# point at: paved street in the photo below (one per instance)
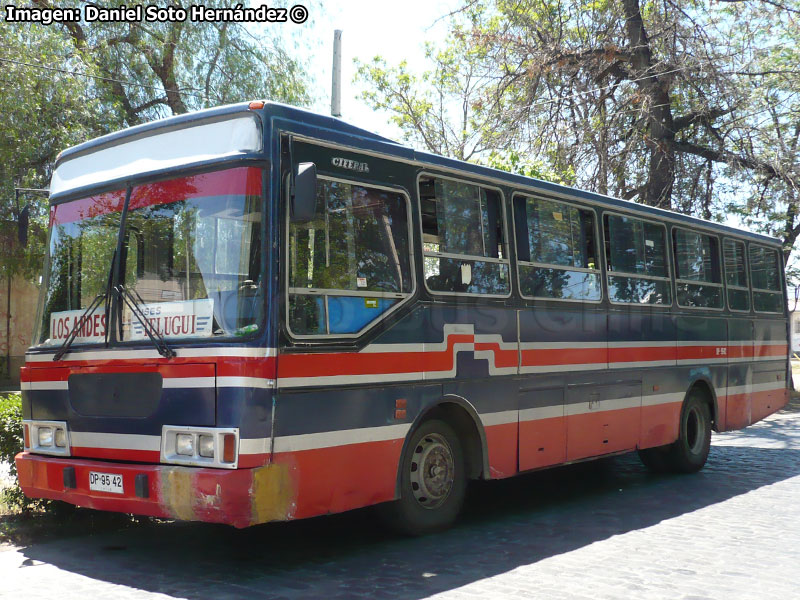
(600, 530)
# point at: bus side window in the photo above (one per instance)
(636, 255)
(765, 273)
(557, 250)
(463, 239)
(350, 264)
(736, 275)
(698, 278)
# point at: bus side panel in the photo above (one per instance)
(645, 339)
(740, 375)
(770, 349)
(478, 349)
(342, 445)
(567, 343)
(542, 424)
(496, 403)
(703, 350)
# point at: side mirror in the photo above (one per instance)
(304, 192)
(22, 225)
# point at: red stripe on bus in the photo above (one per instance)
(238, 181)
(502, 358)
(642, 354)
(771, 350)
(370, 363)
(700, 352)
(242, 180)
(169, 368)
(566, 356)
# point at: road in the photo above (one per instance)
(606, 529)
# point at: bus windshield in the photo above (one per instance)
(191, 254)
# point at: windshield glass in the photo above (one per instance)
(83, 237)
(191, 251)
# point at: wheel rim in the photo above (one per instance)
(695, 430)
(432, 471)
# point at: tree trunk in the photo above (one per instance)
(660, 130)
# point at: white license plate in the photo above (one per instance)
(105, 482)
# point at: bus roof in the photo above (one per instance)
(339, 131)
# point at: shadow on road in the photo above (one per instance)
(506, 524)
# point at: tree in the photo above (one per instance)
(66, 83)
(680, 105)
(44, 110)
(152, 69)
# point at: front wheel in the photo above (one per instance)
(689, 452)
(433, 481)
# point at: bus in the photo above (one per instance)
(255, 313)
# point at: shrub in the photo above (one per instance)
(10, 445)
(10, 429)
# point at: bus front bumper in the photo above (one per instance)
(238, 497)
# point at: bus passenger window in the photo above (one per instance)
(636, 255)
(698, 278)
(350, 264)
(463, 238)
(736, 275)
(557, 250)
(765, 274)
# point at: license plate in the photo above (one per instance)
(105, 482)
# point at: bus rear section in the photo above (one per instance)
(149, 385)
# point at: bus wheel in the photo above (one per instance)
(689, 452)
(655, 459)
(433, 481)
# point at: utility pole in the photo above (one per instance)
(336, 79)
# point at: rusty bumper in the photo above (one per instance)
(240, 497)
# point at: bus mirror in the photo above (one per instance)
(22, 225)
(304, 196)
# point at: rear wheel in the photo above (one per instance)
(655, 459)
(432, 481)
(689, 452)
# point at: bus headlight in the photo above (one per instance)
(61, 438)
(46, 437)
(200, 446)
(206, 447)
(184, 444)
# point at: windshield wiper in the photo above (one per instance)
(79, 325)
(133, 303)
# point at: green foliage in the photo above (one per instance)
(44, 111)
(64, 84)
(11, 445)
(513, 162)
(10, 429)
(684, 105)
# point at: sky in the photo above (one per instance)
(394, 30)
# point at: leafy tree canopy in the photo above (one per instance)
(66, 83)
(684, 105)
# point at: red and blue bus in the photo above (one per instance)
(255, 313)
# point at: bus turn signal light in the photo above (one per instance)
(26, 436)
(255, 105)
(229, 448)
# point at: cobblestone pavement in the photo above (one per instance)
(606, 529)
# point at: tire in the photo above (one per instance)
(655, 459)
(433, 481)
(689, 452)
